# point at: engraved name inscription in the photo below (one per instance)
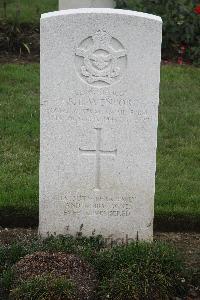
(98, 106)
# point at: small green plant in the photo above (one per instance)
(12, 37)
(14, 40)
(86, 247)
(6, 280)
(11, 254)
(140, 271)
(44, 288)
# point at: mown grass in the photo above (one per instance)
(26, 11)
(19, 137)
(178, 158)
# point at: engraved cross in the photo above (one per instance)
(98, 153)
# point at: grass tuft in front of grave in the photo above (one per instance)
(139, 270)
(44, 287)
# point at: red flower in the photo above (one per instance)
(197, 9)
(180, 60)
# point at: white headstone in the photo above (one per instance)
(100, 72)
(68, 4)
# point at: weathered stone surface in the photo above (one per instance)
(68, 4)
(100, 71)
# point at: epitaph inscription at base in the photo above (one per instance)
(99, 115)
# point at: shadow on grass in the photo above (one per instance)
(12, 217)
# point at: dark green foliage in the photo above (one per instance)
(10, 255)
(16, 38)
(181, 26)
(19, 24)
(195, 277)
(136, 271)
(140, 271)
(44, 288)
(85, 247)
(6, 280)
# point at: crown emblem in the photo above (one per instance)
(101, 38)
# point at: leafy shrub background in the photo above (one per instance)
(181, 26)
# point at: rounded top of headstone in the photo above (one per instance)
(70, 4)
(101, 11)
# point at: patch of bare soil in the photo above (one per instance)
(187, 243)
(10, 235)
(59, 264)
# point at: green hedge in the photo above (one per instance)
(181, 26)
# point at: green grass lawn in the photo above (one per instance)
(19, 137)
(178, 159)
(26, 11)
